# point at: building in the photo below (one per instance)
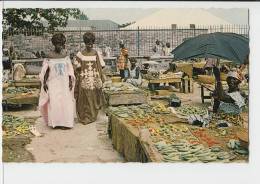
(90, 25)
(179, 18)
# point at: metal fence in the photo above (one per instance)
(139, 41)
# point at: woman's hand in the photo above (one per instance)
(70, 83)
(45, 87)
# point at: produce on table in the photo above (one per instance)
(234, 119)
(182, 151)
(203, 136)
(15, 90)
(235, 145)
(170, 75)
(189, 109)
(143, 111)
(160, 108)
(176, 143)
(120, 87)
(13, 126)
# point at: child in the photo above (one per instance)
(56, 102)
(88, 90)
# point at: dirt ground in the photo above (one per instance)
(83, 143)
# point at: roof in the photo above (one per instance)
(88, 25)
(92, 24)
(182, 17)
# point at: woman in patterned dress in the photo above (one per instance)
(56, 102)
(89, 81)
(231, 101)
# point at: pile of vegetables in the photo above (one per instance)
(189, 109)
(176, 143)
(141, 112)
(160, 108)
(15, 90)
(234, 119)
(203, 136)
(182, 151)
(13, 126)
(112, 88)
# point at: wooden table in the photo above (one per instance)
(208, 87)
(29, 83)
(21, 99)
(136, 145)
(125, 97)
(125, 140)
(133, 143)
(177, 80)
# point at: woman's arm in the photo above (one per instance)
(46, 76)
(219, 92)
(137, 73)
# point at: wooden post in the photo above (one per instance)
(202, 93)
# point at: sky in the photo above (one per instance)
(121, 16)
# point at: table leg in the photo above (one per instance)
(202, 94)
(109, 128)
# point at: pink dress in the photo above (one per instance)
(57, 106)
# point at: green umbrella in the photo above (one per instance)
(229, 46)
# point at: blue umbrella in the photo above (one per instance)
(228, 46)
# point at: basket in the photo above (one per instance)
(5, 85)
(206, 79)
(243, 138)
(116, 79)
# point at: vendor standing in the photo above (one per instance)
(158, 49)
(89, 81)
(134, 76)
(122, 60)
(230, 101)
(7, 65)
(210, 63)
(167, 49)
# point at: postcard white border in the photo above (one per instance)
(129, 173)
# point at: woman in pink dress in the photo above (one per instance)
(56, 102)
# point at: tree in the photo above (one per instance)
(83, 16)
(28, 18)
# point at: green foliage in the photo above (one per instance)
(28, 18)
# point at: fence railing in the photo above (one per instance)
(139, 42)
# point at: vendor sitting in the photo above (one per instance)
(172, 68)
(231, 101)
(134, 74)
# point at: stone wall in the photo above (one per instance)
(139, 42)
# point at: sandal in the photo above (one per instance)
(34, 131)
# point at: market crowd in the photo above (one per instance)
(72, 86)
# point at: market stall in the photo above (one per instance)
(122, 93)
(151, 133)
(20, 96)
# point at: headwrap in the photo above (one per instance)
(124, 51)
(235, 74)
(121, 42)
